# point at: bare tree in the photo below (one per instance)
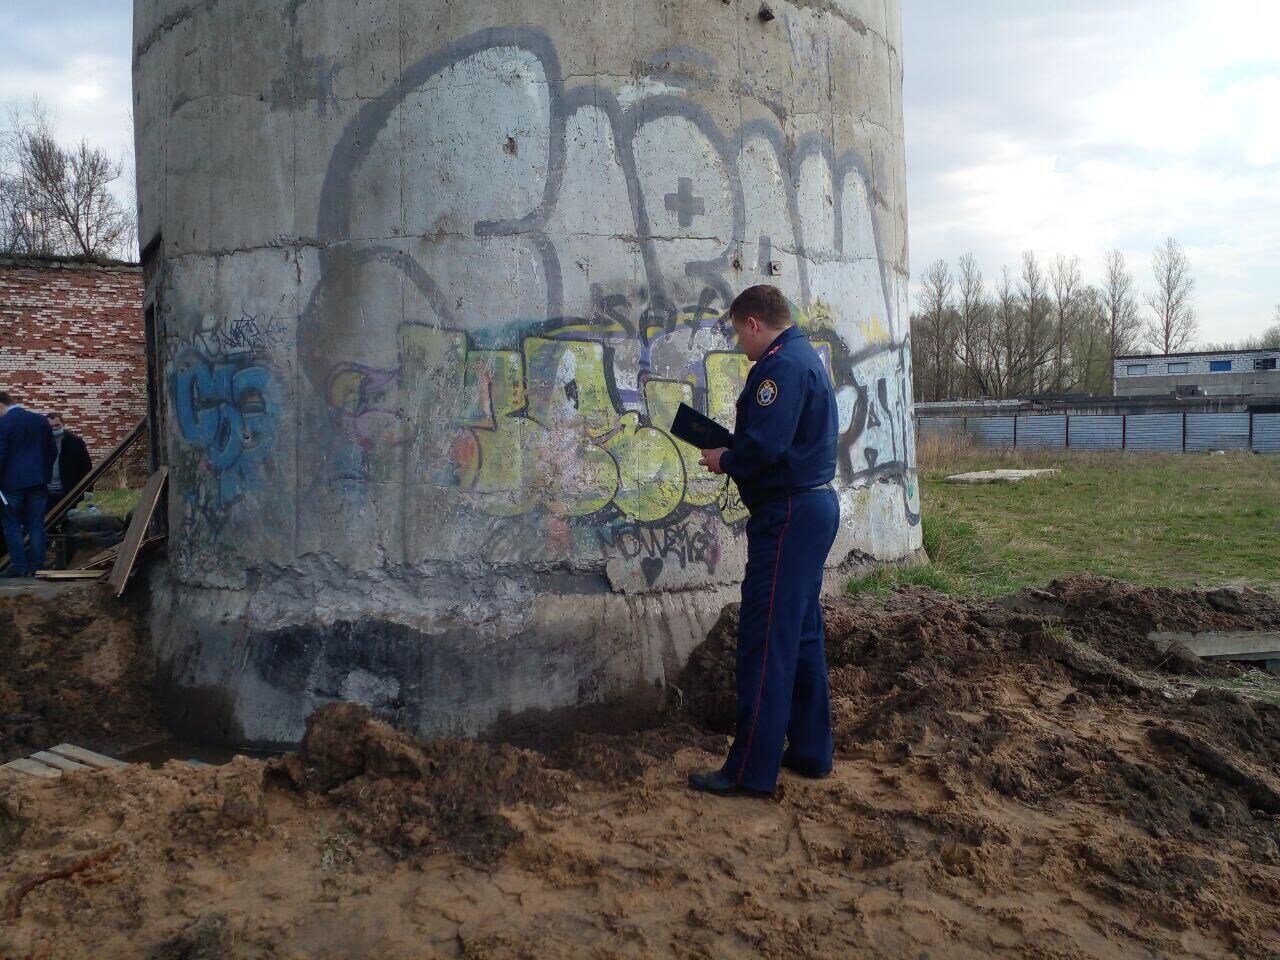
(1067, 287)
(1174, 326)
(1038, 343)
(1007, 337)
(27, 225)
(57, 200)
(1093, 360)
(935, 330)
(973, 331)
(1120, 307)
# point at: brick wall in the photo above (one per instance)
(72, 340)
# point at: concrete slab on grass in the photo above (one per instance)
(1224, 644)
(1000, 476)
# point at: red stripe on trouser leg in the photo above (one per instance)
(764, 656)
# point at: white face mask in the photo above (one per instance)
(58, 431)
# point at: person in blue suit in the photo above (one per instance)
(27, 452)
(783, 459)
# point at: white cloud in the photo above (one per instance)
(1079, 128)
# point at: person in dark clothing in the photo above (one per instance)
(27, 452)
(783, 459)
(72, 464)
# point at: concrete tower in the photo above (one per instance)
(427, 280)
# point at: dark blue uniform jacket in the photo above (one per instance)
(784, 439)
(27, 450)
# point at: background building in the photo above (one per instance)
(72, 341)
(1223, 373)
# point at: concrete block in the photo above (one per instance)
(350, 49)
(1224, 644)
(1000, 476)
(250, 169)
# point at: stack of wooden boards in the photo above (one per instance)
(64, 758)
(123, 556)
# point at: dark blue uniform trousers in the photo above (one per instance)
(24, 517)
(782, 662)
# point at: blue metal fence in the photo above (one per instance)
(1160, 432)
(992, 431)
(1043, 431)
(1095, 433)
(1265, 435)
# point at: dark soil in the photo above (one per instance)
(75, 667)
(416, 795)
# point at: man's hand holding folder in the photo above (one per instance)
(704, 433)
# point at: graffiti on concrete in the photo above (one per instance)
(686, 543)
(542, 427)
(223, 410)
(523, 339)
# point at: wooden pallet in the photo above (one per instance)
(64, 758)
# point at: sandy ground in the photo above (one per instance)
(1023, 779)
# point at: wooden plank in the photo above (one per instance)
(137, 530)
(87, 757)
(71, 574)
(101, 559)
(32, 768)
(62, 506)
(61, 763)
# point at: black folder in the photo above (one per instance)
(702, 432)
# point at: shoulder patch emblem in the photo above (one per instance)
(766, 393)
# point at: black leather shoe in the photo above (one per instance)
(12, 574)
(713, 781)
(802, 769)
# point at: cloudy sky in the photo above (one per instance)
(1061, 126)
(1078, 126)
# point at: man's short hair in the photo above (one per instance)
(765, 302)
(53, 413)
(5, 399)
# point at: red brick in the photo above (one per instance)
(72, 340)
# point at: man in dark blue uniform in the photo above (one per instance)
(27, 452)
(783, 460)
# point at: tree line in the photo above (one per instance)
(56, 200)
(1044, 330)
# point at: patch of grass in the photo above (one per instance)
(1252, 683)
(115, 502)
(959, 563)
(1186, 520)
(883, 579)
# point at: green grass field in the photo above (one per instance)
(1175, 519)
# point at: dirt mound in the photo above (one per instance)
(76, 668)
(414, 795)
(1013, 780)
(1052, 699)
(1115, 617)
